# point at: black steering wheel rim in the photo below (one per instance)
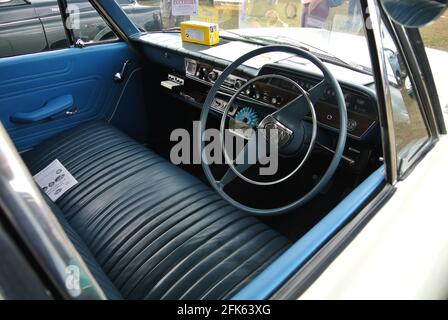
(328, 79)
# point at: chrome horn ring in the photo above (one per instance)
(229, 161)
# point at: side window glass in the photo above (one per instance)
(89, 26)
(410, 127)
(145, 14)
(29, 27)
(86, 23)
(435, 39)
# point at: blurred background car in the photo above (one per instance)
(41, 18)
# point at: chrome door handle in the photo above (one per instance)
(119, 76)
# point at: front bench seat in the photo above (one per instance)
(146, 228)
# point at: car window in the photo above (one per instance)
(145, 14)
(331, 15)
(89, 26)
(5, 3)
(435, 39)
(410, 127)
(86, 23)
(29, 27)
(321, 27)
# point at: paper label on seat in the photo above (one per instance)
(55, 180)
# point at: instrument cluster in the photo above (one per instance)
(275, 92)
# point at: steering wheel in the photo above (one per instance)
(288, 120)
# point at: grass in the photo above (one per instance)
(435, 35)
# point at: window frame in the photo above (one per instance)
(117, 20)
(391, 28)
(28, 16)
(404, 46)
(70, 35)
(377, 17)
(70, 39)
(65, 16)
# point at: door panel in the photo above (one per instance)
(29, 82)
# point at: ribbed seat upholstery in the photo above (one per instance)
(147, 229)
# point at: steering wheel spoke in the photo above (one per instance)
(252, 153)
(245, 159)
(317, 92)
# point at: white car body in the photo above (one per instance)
(402, 253)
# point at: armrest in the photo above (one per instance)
(51, 108)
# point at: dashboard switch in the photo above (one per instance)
(238, 84)
(212, 76)
(352, 124)
(171, 85)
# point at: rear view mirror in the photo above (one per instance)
(414, 13)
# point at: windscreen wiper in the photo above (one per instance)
(172, 29)
(236, 36)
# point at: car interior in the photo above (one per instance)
(149, 229)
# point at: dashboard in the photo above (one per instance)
(191, 69)
(273, 93)
(186, 71)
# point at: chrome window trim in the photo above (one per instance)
(372, 14)
(403, 44)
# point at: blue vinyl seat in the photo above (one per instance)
(147, 229)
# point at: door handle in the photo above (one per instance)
(50, 109)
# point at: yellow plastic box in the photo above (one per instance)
(200, 32)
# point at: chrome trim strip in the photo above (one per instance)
(374, 37)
